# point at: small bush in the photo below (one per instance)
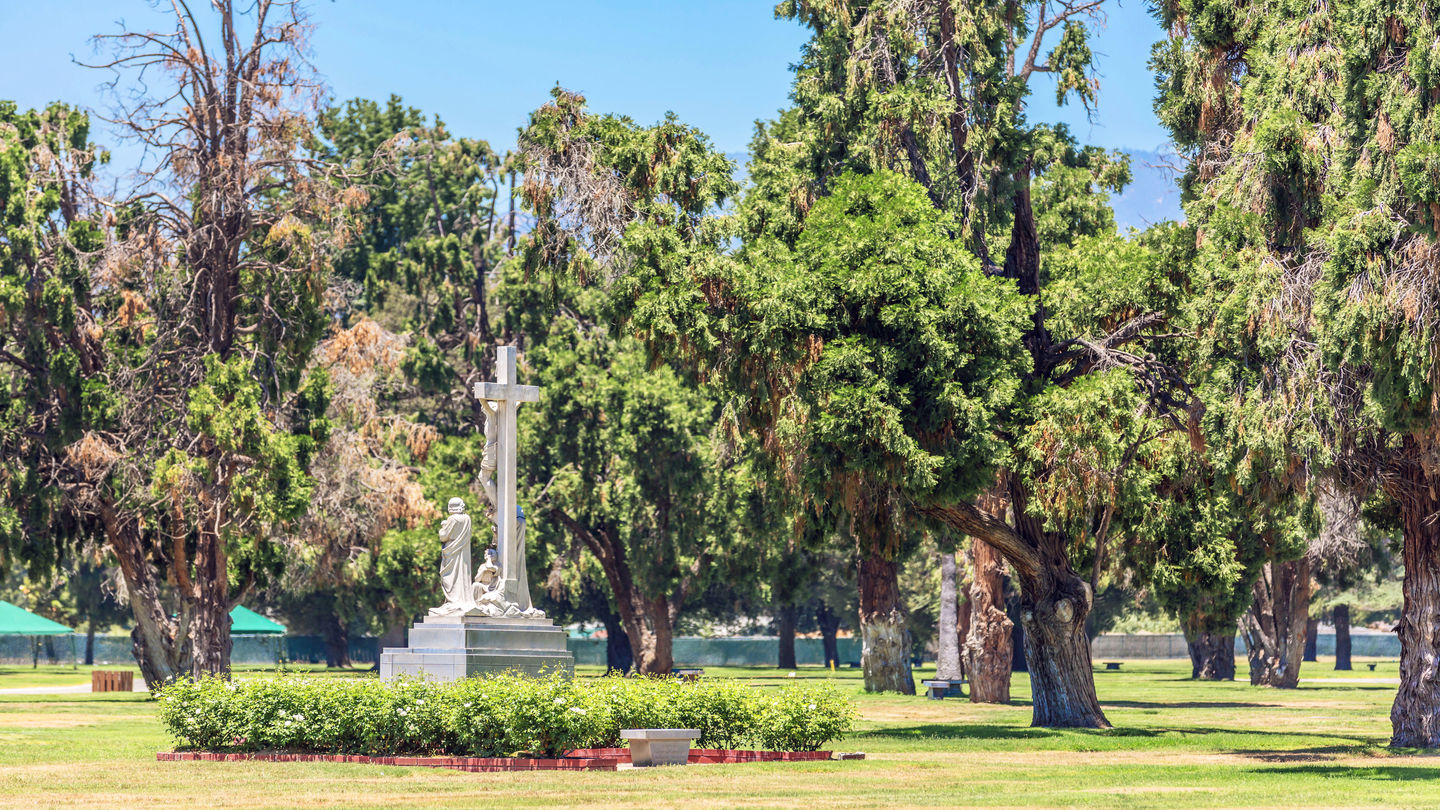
(803, 718)
(503, 715)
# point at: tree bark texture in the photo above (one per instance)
(947, 658)
(884, 636)
(210, 624)
(1312, 629)
(161, 650)
(786, 616)
(1274, 627)
(988, 649)
(1342, 637)
(1415, 716)
(1212, 656)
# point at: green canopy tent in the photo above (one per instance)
(17, 621)
(246, 622)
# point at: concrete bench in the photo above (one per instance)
(659, 746)
(939, 690)
(687, 674)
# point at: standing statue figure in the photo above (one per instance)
(455, 562)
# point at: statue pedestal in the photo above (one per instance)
(448, 648)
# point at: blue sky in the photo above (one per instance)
(484, 64)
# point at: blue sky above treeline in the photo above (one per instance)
(483, 65)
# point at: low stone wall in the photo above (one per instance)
(750, 651)
(1363, 642)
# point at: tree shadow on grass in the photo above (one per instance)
(1188, 704)
(979, 731)
(1386, 773)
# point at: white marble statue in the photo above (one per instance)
(455, 580)
(497, 478)
(488, 592)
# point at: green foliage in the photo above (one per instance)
(501, 715)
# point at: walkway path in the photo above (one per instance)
(68, 689)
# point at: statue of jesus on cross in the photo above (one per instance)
(502, 401)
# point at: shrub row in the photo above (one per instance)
(505, 715)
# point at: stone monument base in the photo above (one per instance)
(448, 648)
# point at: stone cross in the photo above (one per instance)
(506, 395)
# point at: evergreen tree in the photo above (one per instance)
(1312, 183)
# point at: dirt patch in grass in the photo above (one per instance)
(15, 720)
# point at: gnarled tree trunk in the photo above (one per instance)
(988, 648)
(1274, 627)
(210, 624)
(1342, 637)
(1415, 716)
(1212, 656)
(161, 650)
(1057, 651)
(947, 657)
(884, 636)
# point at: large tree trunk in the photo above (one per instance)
(1342, 637)
(337, 641)
(648, 621)
(947, 657)
(829, 623)
(988, 648)
(210, 624)
(618, 655)
(1274, 627)
(161, 651)
(1054, 602)
(647, 625)
(884, 636)
(1057, 653)
(1212, 656)
(786, 616)
(1415, 717)
(1312, 629)
(90, 644)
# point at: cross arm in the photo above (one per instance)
(504, 392)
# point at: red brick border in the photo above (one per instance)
(588, 759)
(706, 756)
(472, 764)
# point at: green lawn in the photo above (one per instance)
(1176, 744)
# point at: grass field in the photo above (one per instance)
(1176, 743)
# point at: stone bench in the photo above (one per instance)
(659, 746)
(939, 690)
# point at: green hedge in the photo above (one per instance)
(504, 715)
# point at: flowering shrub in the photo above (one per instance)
(803, 718)
(502, 715)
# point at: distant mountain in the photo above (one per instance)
(1152, 196)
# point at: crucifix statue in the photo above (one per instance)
(497, 474)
